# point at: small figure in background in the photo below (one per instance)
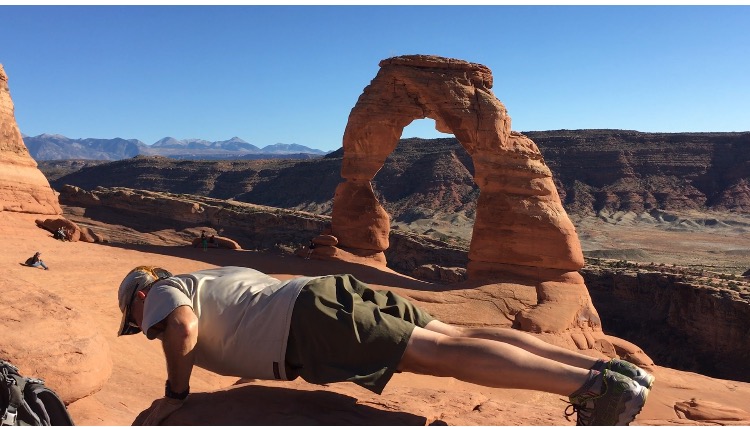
(36, 261)
(310, 249)
(60, 234)
(204, 241)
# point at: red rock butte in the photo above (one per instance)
(23, 187)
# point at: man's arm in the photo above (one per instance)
(179, 334)
(178, 340)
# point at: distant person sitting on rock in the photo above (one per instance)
(212, 242)
(60, 234)
(240, 322)
(36, 261)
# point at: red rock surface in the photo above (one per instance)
(45, 336)
(23, 188)
(358, 219)
(325, 240)
(85, 276)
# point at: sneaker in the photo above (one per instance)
(628, 369)
(607, 399)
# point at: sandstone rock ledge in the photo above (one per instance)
(47, 338)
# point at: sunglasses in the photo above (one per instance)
(160, 274)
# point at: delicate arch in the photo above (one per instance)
(520, 219)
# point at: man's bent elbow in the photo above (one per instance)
(183, 324)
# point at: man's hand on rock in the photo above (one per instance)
(161, 409)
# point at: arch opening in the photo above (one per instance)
(436, 167)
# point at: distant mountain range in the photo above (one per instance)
(58, 147)
(594, 171)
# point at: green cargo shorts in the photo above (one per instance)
(342, 330)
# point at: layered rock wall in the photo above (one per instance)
(681, 325)
(23, 188)
(620, 170)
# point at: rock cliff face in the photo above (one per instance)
(621, 170)
(23, 188)
(681, 325)
(251, 226)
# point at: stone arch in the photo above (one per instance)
(520, 221)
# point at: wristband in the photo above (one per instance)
(172, 395)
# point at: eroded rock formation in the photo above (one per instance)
(520, 219)
(23, 188)
(521, 228)
(72, 231)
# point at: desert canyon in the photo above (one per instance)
(524, 269)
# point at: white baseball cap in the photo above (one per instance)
(137, 279)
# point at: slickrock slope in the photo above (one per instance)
(23, 188)
(86, 276)
(45, 336)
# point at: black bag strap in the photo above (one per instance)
(14, 383)
(53, 407)
(29, 401)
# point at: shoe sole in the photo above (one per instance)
(645, 380)
(633, 407)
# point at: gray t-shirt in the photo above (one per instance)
(243, 318)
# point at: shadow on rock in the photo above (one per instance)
(275, 263)
(261, 405)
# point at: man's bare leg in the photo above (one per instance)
(516, 338)
(488, 362)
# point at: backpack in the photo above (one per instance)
(27, 401)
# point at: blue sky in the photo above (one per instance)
(291, 74)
